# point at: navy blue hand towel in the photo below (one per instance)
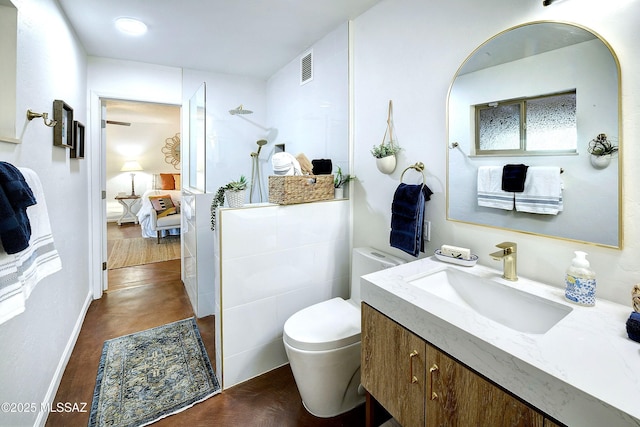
(633, 326)
(513, 177)
(15, 197)
(322, 166)
(407, 216)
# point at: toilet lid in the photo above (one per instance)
(324, 326)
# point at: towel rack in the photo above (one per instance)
(419, 166)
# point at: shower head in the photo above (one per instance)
(240, 110)
(260, 143)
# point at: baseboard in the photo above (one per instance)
(62, 365)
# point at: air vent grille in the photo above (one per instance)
(306, 68)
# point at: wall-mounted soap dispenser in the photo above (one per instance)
(580, 281)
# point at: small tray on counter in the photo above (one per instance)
(458, 261)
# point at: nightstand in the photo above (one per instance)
(128, 202)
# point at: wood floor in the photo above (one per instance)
(146, 296)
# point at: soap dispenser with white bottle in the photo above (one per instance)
(580, 281)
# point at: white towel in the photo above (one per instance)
(542, 191)
(490, 192)
(21, 272)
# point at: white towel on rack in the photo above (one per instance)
(490, 193)
(21, 272)
(542, 191)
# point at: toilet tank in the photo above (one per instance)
(365, 261)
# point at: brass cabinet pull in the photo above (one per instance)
(432, 369)
(412, 378)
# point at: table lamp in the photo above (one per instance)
(131, 166)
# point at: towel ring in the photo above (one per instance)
(419, 167)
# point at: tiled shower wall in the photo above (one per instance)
(275, 260)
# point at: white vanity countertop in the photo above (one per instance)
(584, 371)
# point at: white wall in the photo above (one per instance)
(36, 344)
(314, 118)
(413, 62)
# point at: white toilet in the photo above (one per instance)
(323, 343)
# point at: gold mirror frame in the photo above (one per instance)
(455, 148)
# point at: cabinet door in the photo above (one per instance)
(459, 397)
(393, 367)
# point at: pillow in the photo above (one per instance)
(167, 182)
(163, 205)
(176, 179)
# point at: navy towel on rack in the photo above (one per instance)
(15, 197)
(513, 177)
(407, 217)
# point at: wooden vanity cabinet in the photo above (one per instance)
(393, 367)
(422, 386)
(463, 398)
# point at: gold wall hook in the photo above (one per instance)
(45, 118)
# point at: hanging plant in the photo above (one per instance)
(385, 153)
(601, 150)
(601, 146)
(384, 150)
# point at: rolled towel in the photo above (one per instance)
(322, 166)
(285, 164)
(305, 164)
(633, 326)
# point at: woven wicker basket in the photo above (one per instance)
(289, 190)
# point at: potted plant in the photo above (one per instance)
(234, 192)
(339, 181)
(385, 153)
(601, 150)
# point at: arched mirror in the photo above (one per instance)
(539, 95)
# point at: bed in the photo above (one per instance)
(147, 209)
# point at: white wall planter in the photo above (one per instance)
(600, 162)
(235, 199)
(387, 164)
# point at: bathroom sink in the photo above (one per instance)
(510, 307)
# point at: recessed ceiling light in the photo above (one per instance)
(131, 26)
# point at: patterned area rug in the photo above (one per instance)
(138, 251)
(152, 374)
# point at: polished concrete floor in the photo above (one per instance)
(146, 296)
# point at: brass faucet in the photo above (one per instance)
(509, 257)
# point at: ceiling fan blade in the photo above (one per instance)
(113, 122)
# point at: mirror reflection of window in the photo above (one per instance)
(537, 125)
(551, 123)
(499, 127)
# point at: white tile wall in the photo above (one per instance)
(276, 260)
(198, 273)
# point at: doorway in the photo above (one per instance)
(141, 141)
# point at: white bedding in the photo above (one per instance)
(144, 214)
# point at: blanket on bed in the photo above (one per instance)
(144, 214)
